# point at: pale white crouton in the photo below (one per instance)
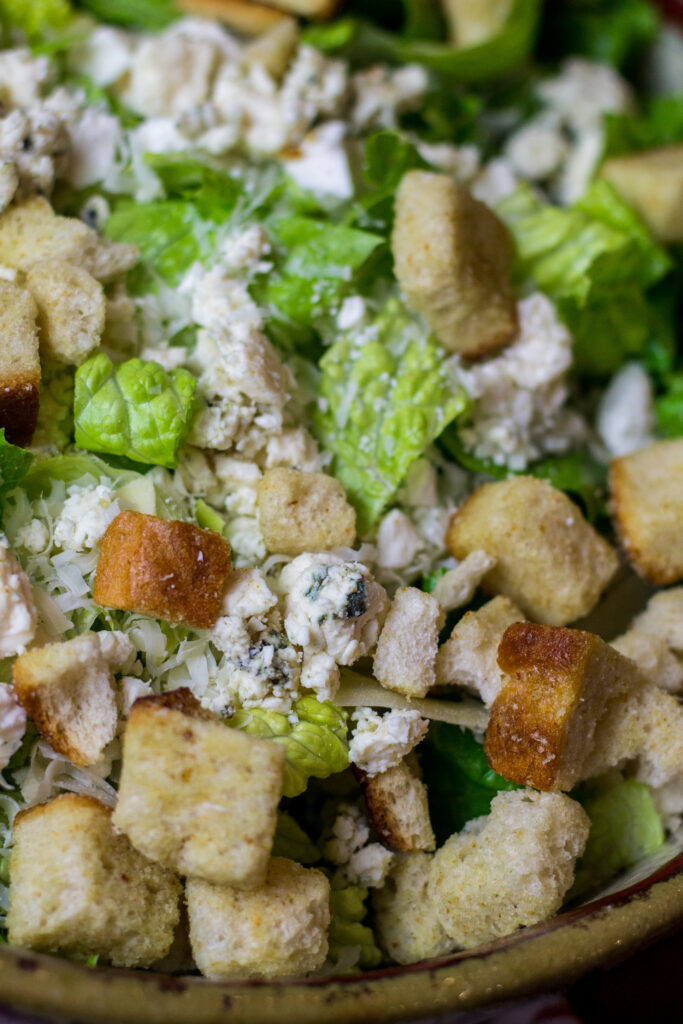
(456, 588)
(474, 21)
(452, 258)
(397, 806)
(381, 741)
(549, 559)
(79, 887)
(653, 657)
(18, 616)
(68, 690)
(196, 795)
(647, 507)
(407, 926)
(71, 309)
(509, 869)
(277, 931)
(12, 724)
(469, 658)
(663, 617)
(301, 512)
(19, 361)
(652, 183)
(408, 644)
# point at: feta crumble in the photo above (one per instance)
(18, 616)
(381, 741)
(625, 418)
(397, 541)
(247, 593)
(12, 724)
(358, 861)
(259, 668)
(35, 536)
(85, 516)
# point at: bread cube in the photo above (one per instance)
(469, 658)
(71, 309)
(68, 690)
(549, 559)
(653, 657)
(301, 512)
(452, 258)
(406, 922)
(652, 183)
(162, 567)
(79, 888)
(277, 931)
(19, 363)
(396, 802)
(474, 21)
(663, 618)
(559, 685)
(647, 507)
(408, 644)
(509, 869)
(197, 796)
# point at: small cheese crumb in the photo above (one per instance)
(380, 741)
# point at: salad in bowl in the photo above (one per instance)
(341, 400)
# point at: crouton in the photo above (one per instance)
(408, 644)
(474, 21)
(31, 232)
(71, 309)
(274, 49)
(549, 560)
(396, 802)
(559, 684)
(663, 618)
(653, 657)
(652, 183)
(406, 923)
(79, 888)
(197, 796)
(300, 512)
(277, 931)
(647, 508)
(19, 363)
(162, 567)
(247, 17)
(469, 658)
(452, 258)
(68, 690)
(457, 586)
(509, 869)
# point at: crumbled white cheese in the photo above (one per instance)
(577, 173)
(456, 588)
(320, 163)
(497, 180)
(244, 251)
(238, 480)
(247, 593)
(131, 689)
(332, 606)
(625, 418)
(35, 536)
(381, 94)
(36, 143)
(380, 741)
(320, 674)
(171, 357)
(246, 540)
(258, 668)
(18, 616)
(85, 516)
(350, 831)
(538, 149)
(22, 77)
(369, 866)
(117, 649)
(397, 541)
(351, 312)
(94, 140)
(170, 73)
(294, 448)
(12, 724)
(585, 90)
(105, 56)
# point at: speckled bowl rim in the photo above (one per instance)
(550, 955)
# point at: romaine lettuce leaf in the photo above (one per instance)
(347, 929)
(69, 469)
(669, 408)
(317, 745)
(136, 409)
(625, 826)
(14, 465)
(35, 18)
(386, 392)
(151, 15)
(608, 31)
(291, 841)
(388, 156)
(659, 124)
(170, 234)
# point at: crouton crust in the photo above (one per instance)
(182, 699)
(558, 685)
(19, 364)
(397, 808)
(301, 512)
(647, 509)
(162, 567)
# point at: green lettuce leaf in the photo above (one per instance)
(625, 827)
(291, 841)
(460, 782)
(208, 518)
(35, 19)
(388, 156)
(70, 468)
(14, 465)
(669, 408)
(171, 234)
(659, 124)
(347, 929)
(150, 15)
(317, 745)
(386, 393)
(55, 426)
(608, 31)
(136, 409)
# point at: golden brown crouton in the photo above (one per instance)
(79, 887)
(652, 183)
(647, 506)
(474, 21)
(277, 931)
(197, 796)
(406, 921)
(663, 618)
(162, 567)
(301, 512)
(452, 258)
(19, 363)
(509, 869)
(407, 646)
(71, 309)
(67, 689)
(559, 684)
(469, 658)
(549, 559)
(397, 807)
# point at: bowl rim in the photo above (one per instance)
(552, 954)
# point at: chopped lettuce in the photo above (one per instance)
(150, 15)
(386, 393)
(14, 465)
(69, 469)
(347, 929)
(317, 745)
(55, 426)
(291, 841)
(659, 124)
(35, 18)
(388, 156)
(669, 408)
(607, 31)
(170, 234)
(136, 409)
(208, 518)
(625, 826)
